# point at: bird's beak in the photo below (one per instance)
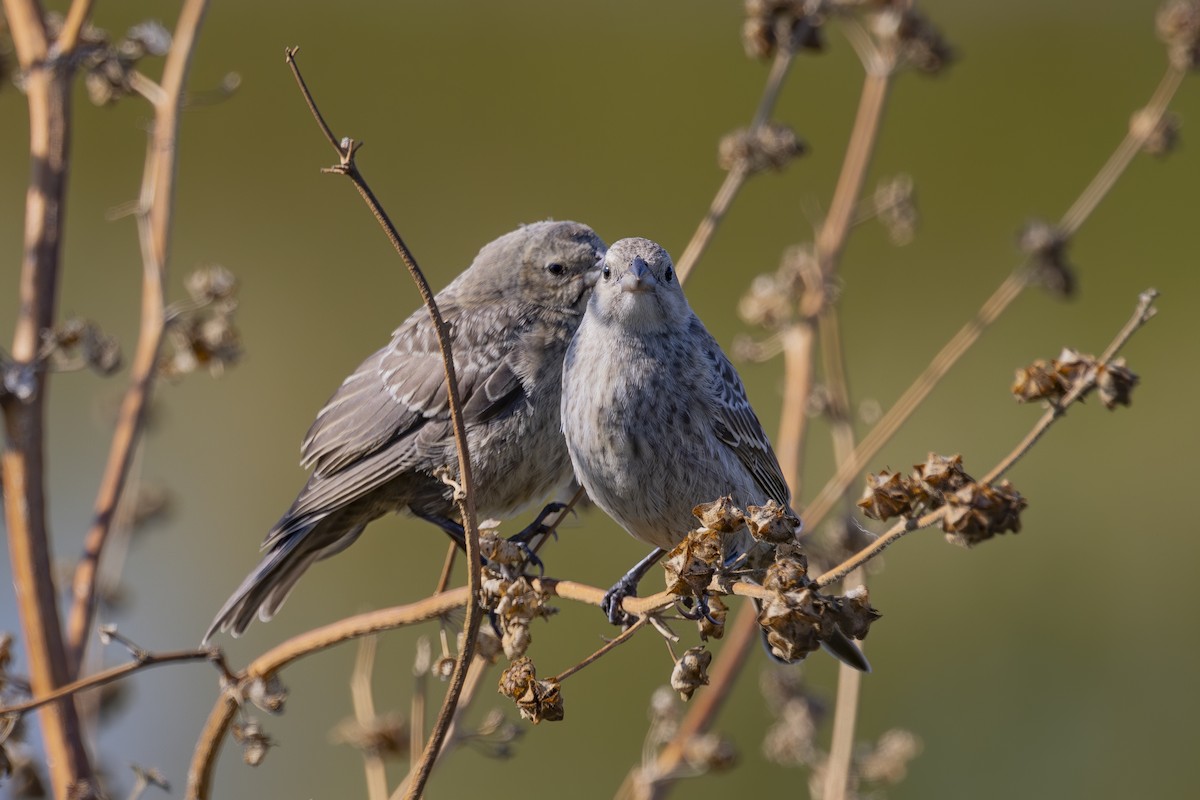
(591, 276)
(639, 278)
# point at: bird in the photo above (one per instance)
(656, 418)
(377, 443)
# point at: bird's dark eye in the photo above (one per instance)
(556, 268)
(668, 274)
(606, 273)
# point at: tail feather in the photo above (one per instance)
(265, 589)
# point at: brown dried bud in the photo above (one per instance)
(770, 146)
(270, 695)
(938, 476)
(1046, 246)
(853, 613)
(385, 735)
(788, 573)
(255, 743)
(766, 303)
(1158, 133)
(443, 668)
(720, 515)
(887, 762)
(691, 671)
(1115, 383)
(210, 284)
(709, 752)
(791, 632)
(1178, 24)
(691, 565)
(771, 24)
(978, 512)
(919, 43)
(1041, 380)
(536, 700)
(501, 551)
(887, 495)
(896, 208)
(772, 523)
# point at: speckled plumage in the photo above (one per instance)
(375, 445)
(656, 418)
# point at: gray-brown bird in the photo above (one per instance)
(655, 416)
(376, 444)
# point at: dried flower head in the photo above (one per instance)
(790, 24)
(914, 38)
(515, 603)
(691, 565)
(80, 342)
(1178, 24)
(709, 752)
(254, 741)
(691, 671)
(887, 495)
(1115, 383)
(769, 146)
(1158, 133)
(772, 523)
(536, 700)
(386, 735)
(1046, 247)
(896, 208)
(978, 512)
(887, 762)
(270, 694)
(720, 515)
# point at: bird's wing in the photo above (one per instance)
(734, 420)
(392, 413)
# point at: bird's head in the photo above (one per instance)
(638, 287)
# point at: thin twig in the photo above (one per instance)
(68, 36)
(625, 636)
(348, 167)
(1082, 387)
(1129, 147)
(1008, 291)
(739, 172)
(110, 675)
(849, 679)
(156, 203)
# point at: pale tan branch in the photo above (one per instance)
(156, 203)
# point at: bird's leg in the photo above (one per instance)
(452, 528)
(538, 527)
(459, 536)
(627, 587)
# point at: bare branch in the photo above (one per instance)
(154, 229)
(348, 167)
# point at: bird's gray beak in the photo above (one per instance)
(591, 276)
(639, 278)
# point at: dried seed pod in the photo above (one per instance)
(691, 671)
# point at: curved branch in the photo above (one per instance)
(347, 166)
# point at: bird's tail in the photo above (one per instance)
(266, 588)
(838, 645)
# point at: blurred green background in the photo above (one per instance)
(1039, 665)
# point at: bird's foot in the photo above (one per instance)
(538, 527)
(611, 604)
